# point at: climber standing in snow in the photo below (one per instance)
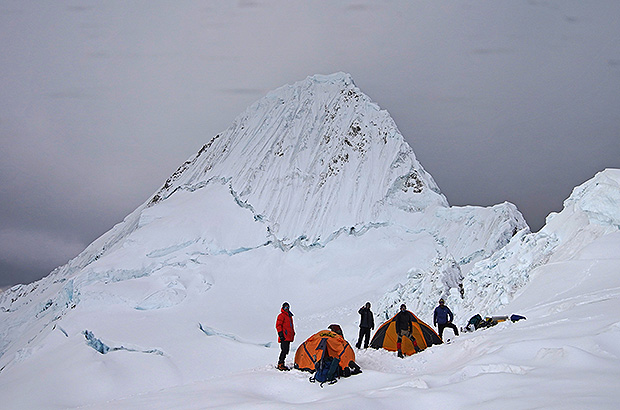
(286, 333)
(404, 328)
(442, 318)
(367, 322)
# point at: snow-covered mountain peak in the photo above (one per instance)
(315, 169)
(310, 159)
(339, 80)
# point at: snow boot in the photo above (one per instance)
(282, 367)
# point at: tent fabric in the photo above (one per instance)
(311, 351)
(385, 337)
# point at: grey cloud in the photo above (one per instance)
(245, 91)
(24, 254)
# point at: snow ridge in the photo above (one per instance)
(591, 212)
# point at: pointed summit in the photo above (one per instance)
(310, 159)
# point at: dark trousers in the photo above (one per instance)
(442, 326)
(364, 334)
(285, 347)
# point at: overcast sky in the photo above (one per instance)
(101, 101)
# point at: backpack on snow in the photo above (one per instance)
(326, 371)
(475, 321)
(326, 368)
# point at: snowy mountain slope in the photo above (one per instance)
(563, 356)
(488, 285)
(325, 161)
(463, 236)
(310, 159)
(173, 256)
(590, 212)
(189, 284)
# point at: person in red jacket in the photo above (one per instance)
(286, 333)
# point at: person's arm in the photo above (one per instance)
(279, 327)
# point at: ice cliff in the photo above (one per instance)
(592, 211)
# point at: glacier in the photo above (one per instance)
(311, 193)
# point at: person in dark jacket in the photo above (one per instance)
(367, 323)
(403, 329)
(442, 318)
(286, 333)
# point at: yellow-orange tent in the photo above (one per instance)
(323, 342)
(385, 337)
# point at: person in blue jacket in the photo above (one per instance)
(442, 318)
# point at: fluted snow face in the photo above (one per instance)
(311, 159)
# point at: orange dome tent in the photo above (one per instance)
(385, 337)
(324, 342)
